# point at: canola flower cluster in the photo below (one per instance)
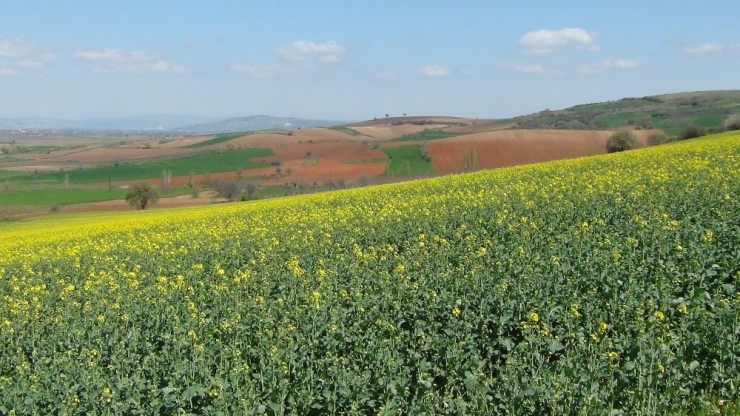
(601, 285)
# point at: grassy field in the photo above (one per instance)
(425, 135)
(407, 161)
(221, 138)
(213, 162)
(59, 196)
(69, 196)
(604, 285)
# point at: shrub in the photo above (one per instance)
(141, 195)
(732, 122)
(620, 141)
(657, 138)
(691, 131)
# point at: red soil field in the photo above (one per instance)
(516, 147)
(478, 128)
(352, 151)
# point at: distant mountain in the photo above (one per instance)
(260, 122)
(144, 122)
(180, 123)
(152, 121)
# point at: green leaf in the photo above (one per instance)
(556, 346)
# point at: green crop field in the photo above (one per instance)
(605, 285)
(59, 196)
(425, 134)
(68, 196)
(221, 138)
(407, 161)
(212, 162)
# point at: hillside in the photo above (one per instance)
(36, 169)
(669, 112)
(602, 286)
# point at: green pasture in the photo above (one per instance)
(211, 162)
(59, 196)
(221, 138)
(425, 135)
(408, 161)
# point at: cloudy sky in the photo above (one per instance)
(354, 60)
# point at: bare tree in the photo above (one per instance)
(166, 177)
(470, 159)
(191, 180)
(228, 188)
(251, 187)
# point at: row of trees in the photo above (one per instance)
(143, 194)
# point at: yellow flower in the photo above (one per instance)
(533, 317)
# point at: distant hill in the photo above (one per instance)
(144, 122)
(669, 112)
(251, 123)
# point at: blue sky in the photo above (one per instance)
(345, 60)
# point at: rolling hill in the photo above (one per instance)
(671, 113)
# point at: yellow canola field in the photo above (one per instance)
(585, 284)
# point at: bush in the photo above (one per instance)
(657, 138)
(691, 131)
(141, 195)
(620, 141)
(732, 122)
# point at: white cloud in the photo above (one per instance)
(550, 41)
(709, 48)
(303, 50)
(22, 54)
(259, 71)
(605, 66)
(130, 62)
(436, 71)
(301, 55)
(16, 48)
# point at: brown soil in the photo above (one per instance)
(478, 128)
(392, 132)
(516, 147)
(351, 151)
